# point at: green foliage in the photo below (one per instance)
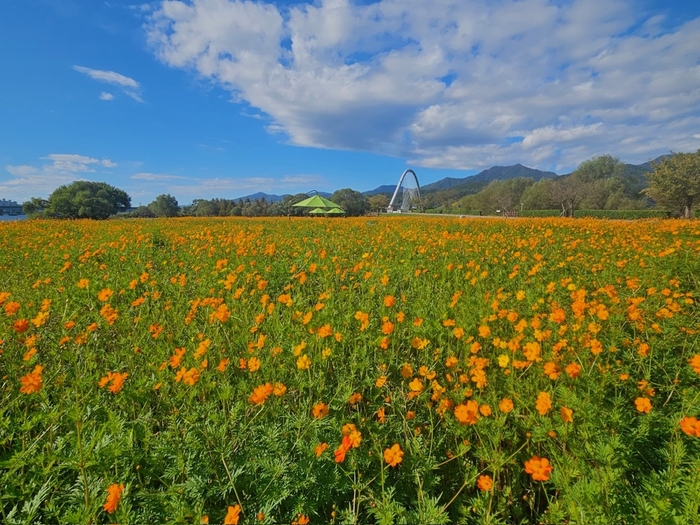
(353, 202)
(623, 214)
(675, 183)
(86, 200)
(540, 213)
(504, 195)
(445, 198)
(378, 202)
(34, 206)
(164, 206)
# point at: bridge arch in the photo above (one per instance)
(398, 187)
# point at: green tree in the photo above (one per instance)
(378, 202)
(539, 196)
(505, 195)
(34, 206)
(143, 212)
(675, 182)
(164, 206)
(353, 202)
(86, 200)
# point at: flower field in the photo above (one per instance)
(386, 370)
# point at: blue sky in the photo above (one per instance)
(222, 98)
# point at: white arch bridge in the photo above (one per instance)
(410, 197)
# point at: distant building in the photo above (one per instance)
(9, 207)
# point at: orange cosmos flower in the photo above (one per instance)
(381, 416)
(189, 377)
(558, 316)
(426, 372)
(32, 382)
(302, 519)
(416, 386)
(467, 413)
(175, 360)
(484, 483)
(381, 381)
(253, 364)
(223, 364)
(484, 331)
(40, 319)
(342, 449)
(691, 426)
(261, 393)
(539, 468)
(387, 328)
(355, 438)
(325, 331)
(389, 301)
(116, 379)
(279, 389)
(233, 515)
(202, 348)
(355, 398)
(20, 326)
(643, 404)
(348, 428)
(574, 370)
(105, 294)
(114, 494)
(419, 343)
(505, 406)
(543, 403)
(485, 410)
(320, 449)
(567, 415)
(394, 455)
(695, 363)
(11, 308)
(320, 410)
(363, 318)
(303, 362)
(532, 350)
(552, 370)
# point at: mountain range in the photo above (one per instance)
(469, 184)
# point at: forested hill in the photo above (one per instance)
(494, 173)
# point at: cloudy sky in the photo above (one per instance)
(222, 98)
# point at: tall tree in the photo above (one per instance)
(378, 202)
(675, 182)
(86, 200)
(164, 206)
(353, 202)
(34, 206)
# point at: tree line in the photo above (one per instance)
(600, 183)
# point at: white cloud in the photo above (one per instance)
(28, 181)
(449, 83)
(129, 86)
(190, 187)
(109, 77)
(156, 176)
